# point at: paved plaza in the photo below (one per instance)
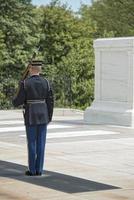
(83, 162)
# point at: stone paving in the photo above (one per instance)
(83, 162)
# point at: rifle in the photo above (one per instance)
(25, 73)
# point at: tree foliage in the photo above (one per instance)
(68, 56)
(18, 36)
(114, 17)
(66, 40)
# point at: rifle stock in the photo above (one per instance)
(25, 73)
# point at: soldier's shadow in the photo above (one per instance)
(53, 180)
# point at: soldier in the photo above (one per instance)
(36, 95)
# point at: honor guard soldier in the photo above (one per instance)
(36, 95)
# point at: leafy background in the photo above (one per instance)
(66, 40)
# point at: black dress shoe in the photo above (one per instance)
(28, 173)
(38, 173)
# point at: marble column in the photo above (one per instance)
(114, 83)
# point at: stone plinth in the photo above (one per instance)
(114, 83)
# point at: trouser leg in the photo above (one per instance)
(40, 148)
(31, 144)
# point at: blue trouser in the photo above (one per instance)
(36, 140)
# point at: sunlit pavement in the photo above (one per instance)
(83, 162)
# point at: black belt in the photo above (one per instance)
(35, 101)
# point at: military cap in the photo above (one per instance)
(36, 63)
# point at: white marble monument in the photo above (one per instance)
(114, 83)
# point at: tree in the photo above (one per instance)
(18, 27)
(66, 40)
(68, 55)
(18, 37)
(113, 18)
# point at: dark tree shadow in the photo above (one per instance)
(53, 180)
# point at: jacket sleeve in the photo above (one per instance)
(20, 98)
(50, 102)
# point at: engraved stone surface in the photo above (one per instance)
(114, 87)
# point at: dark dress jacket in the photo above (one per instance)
(35, 89)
